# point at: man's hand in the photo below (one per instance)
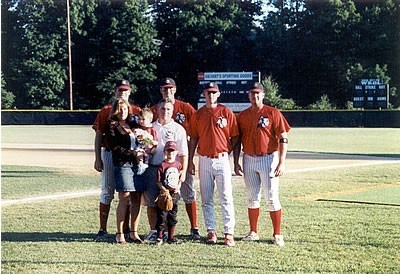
(238, 170)
(191, 168)
(280, 170)
(182, 176)
(98, 165)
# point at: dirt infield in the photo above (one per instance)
(75, 159)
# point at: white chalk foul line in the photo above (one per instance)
(97, 192)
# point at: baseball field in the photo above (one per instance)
(340, 196)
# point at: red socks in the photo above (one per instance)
(276, 217)
(192, 214)
(104, 210)
(253, 213)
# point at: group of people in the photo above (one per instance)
(138, 164)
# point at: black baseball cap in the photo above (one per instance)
(257, 87)
(122, 84)
(167, 83)
(211, 86)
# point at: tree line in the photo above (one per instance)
(310, 53)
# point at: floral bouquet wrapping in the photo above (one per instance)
(144, 139)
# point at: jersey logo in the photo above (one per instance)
(222, 122)
(180, 118)
(172, 177)
(263, 122)
(169, 136)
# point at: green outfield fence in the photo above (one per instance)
(337, 118)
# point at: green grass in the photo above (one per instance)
(369, 141)
(55, 236)
(387, 195)
(23, 181)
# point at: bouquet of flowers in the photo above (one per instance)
(144, 139)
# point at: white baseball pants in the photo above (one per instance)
(107, 178)
(217, 171)
(259, 173)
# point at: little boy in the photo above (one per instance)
(168, 180)
(146, 137)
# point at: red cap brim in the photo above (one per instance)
(211, 89)
(124, 87)
(168, 86)
(257, 90)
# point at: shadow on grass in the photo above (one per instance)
(337, 156)
(357, 202)
(48, 237)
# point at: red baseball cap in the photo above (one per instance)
(122, 85)
(167, 83)
(257, 87)
(170, 145)
(211, 86)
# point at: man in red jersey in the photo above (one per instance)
(263, 133)
(213, 130)
(182, 114)
(103, 158)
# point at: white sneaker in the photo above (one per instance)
(159, 241)
(151, 237)
(278, 240)
(252, 236)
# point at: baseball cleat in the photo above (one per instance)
(211, 238)
(252, 236)
(151, 237)
(159, 241)
(195, 234)
(101, 236)
(278, 240)
(229, 240)
(175, 241)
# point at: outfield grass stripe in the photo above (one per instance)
(50, 197)
(97, 191)
(374, 163)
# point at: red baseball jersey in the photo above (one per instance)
(213, 127)
(260, 129)
(102, 118)
(182, 113)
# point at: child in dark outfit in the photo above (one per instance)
(168, 179)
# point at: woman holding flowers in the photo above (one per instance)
(122, 142)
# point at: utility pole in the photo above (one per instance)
(71, 101)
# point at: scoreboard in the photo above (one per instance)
(232, 85)
(370, 94)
